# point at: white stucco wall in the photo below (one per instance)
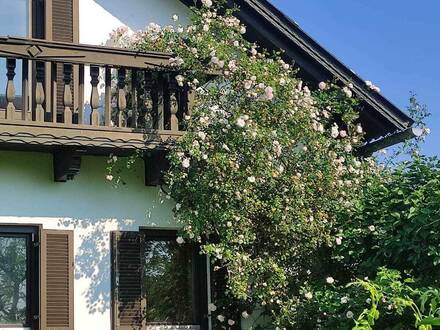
(97, 18)
(91, 207)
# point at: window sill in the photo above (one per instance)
(172, 327)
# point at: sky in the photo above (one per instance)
(393, 43)
(12, 22)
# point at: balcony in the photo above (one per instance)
(91, 99)
(79, 99)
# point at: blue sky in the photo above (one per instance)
(393, 43)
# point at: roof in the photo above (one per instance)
(274, 30)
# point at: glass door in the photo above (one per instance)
(14, 286)
(18, 277)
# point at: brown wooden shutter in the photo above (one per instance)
(62, 20)
(57, 280)
(128, 306)
(64, 30)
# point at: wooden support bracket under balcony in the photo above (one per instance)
(66, 163)
(156, 163)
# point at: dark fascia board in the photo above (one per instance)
(285, 34)
(390, 140)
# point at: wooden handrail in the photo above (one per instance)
(42, 50)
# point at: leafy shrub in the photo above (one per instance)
(398, 224)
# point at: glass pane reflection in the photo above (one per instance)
(14, 22)
(169, 283)
(14, 18)
(13, 273)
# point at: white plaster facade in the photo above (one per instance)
(97, 18)
(88, 205)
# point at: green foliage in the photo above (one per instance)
(398, 222)
(419, 113)
(398, 295)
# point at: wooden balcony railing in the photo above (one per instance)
(95, 98)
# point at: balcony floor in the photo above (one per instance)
(46, 136)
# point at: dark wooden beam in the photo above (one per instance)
(388, 141)
(56, 135)
(66, 164)
(156, 164)
(44, 50)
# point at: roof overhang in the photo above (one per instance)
(273, 30)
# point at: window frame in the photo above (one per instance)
(199, 279)
(32, 235)
(37, 15)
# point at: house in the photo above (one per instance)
(75, 253)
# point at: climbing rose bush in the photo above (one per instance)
(265, 169)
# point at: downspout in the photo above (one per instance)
(407, 134)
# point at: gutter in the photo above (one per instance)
(387, 141)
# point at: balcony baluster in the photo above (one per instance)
(147, 113)
(108, 98)
(160, 102)
(134, 99)
(10, 88)
(94, 98)
(174, 104)
(39, 92)
(68, 101)
(25, 91)
(122, 101)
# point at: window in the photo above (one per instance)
(168, 262)
(18, 266)
(14, 18)
(14, 250)
(158, 282)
